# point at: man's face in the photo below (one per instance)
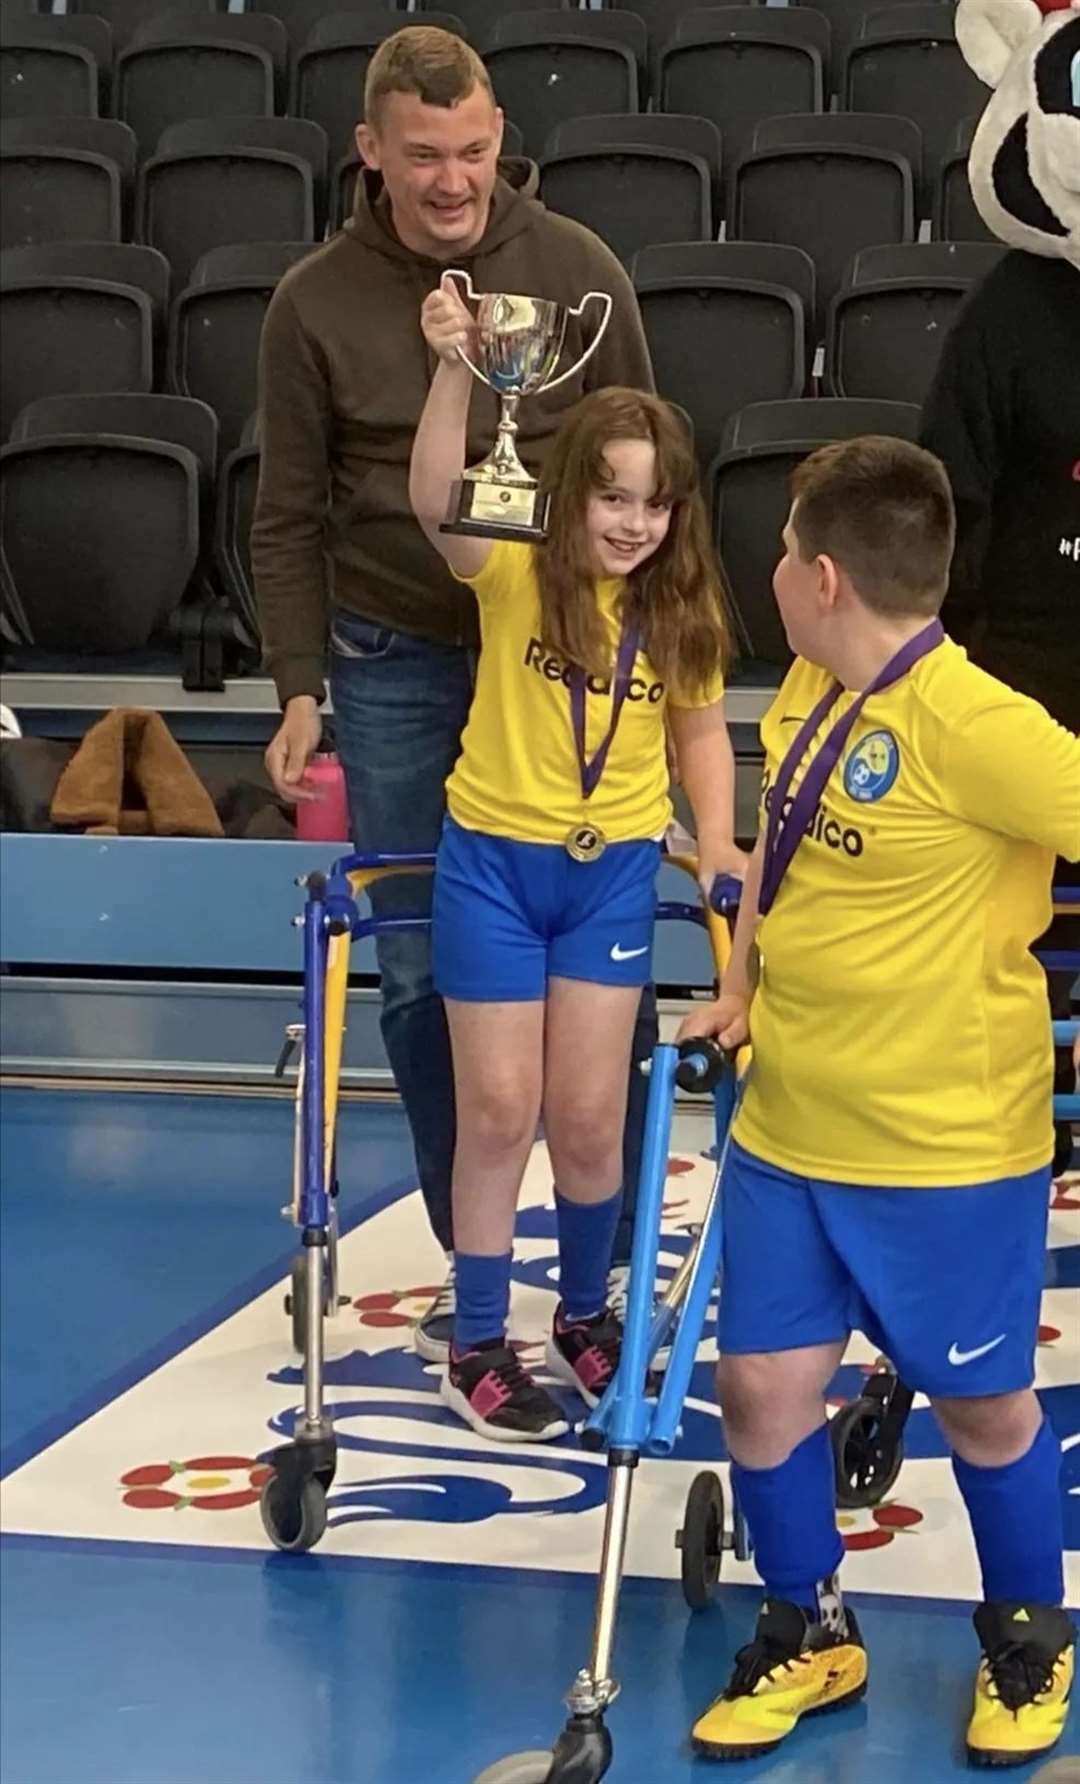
(797, 587)
(439, 166)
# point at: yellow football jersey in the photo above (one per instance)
(901, 1028)
(518, 772)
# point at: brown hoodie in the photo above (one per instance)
(344, 373)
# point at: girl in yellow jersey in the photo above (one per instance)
(544, 885)
(893, 1146)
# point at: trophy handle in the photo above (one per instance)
(455, 272)
(579, 310)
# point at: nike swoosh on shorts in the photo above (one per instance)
(958, 1357)
(618, 953)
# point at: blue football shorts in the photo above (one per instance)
(507, 916)
(946, 1282)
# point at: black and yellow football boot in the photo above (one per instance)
(1023, 1683)
(792, 1668)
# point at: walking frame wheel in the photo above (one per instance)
(293, 1513)
(581, 1755)
(701, 1540)
(866, 1467)
(518, 1768)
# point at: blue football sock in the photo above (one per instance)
(586, 1235)
(1017, 1522)
(483, 1299)
(791, 1513)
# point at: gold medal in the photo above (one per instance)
(585, 843)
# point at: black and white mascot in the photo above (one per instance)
(1004, 409)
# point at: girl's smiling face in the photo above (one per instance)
(625, 520)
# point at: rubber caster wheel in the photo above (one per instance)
(701, 1540)
(294, 1521)
(864, 1472)
(518, 1768)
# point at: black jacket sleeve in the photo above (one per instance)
(966, 423)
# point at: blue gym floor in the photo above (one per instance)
(134, 1223)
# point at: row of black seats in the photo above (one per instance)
(117, 533)
(113, 539)
(829, 183)
(730, 64)
(478, 20)
(728, 324)
(83, 317)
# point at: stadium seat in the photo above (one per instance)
(300, 17)
(54, 67)
(549, 66)
(215, 327)
(829, 184)
(481, 17)
(845, 24)
(739, 64)
(78, 317)
(955, 216)
(238, 486)
(762, 445)
(662, 18)
(330, 70)
(100, 527)
(727, 325)
(64, 179)
(694, 135)
(215, 182)
(184, 66)
(907, 63)
(631, 194)
(889, 320)
(124, 17)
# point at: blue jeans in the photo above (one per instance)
(400, 705)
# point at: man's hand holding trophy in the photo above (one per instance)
(513, 344)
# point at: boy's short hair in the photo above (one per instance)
(437, 66)
(882, 509)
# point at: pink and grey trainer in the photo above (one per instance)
(493, 1393)
(585, 1353)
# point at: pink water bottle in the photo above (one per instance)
(325, 818)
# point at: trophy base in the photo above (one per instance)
(497, 511)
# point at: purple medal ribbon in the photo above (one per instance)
(624, 669)
(784, 834)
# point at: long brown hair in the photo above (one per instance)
(677, 595)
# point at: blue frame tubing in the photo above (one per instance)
(293, 1500)
(626, 1418)
(1066, 1107)
(627, 1422)
(314, 1201)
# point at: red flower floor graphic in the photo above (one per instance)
(209, 1483)
(887, 1521)
(394, 1307)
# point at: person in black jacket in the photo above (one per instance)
(1003, 413)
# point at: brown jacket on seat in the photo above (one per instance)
(129, 777)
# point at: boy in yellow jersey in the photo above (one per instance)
(889, 1168)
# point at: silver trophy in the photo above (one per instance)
(519, 342)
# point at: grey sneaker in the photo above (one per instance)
(434, 1330)
(618, 1284)
(618, 1287)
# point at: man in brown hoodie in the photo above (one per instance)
(339, 559)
